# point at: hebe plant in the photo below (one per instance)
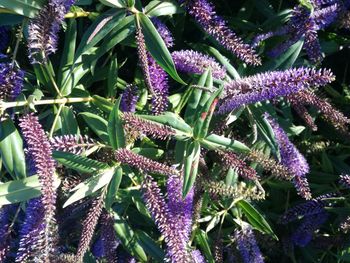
(174, 131)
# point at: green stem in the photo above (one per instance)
(77, 14)
(7, 105)
(55, 120)
(19, 38)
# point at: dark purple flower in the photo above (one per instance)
(107, 243)
(176, 245)
(155, 130)
(191, 61)
(4, 37)
(247, 245)
(204, 13)
(291, 158)
(164, 32)
(73, 143)
(89, 225)
(345, 225)
(126, 156)
(43, 29)
(231, 160)
(129, 99)
(331, 115)
(345, 180)
(304, 23)
(180, 209)
(6, 216)
(33, 244)
(39, 150)
(311, 207)
(270, 85)
(303, 234)
(11, 81)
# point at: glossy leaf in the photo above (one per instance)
(97, 124)
(191, 162)
(115, 127)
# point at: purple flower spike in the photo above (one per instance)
(11, 81)
(291, 158)
(176, 245)
(33, 245)
(311, 207)
(147, 165)
(73, 143)
(180, 209)
(197, 256)
(345, 180)
(164, 32)
(39, 150)
(204, 13)
(247, 245)
(43, 30)
(190, 61)
(265, 86)
(129, 99)
(303, 234)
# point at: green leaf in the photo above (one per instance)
(112, 77)
(21, 190)
(91, 185)
(103, 25)
(162, 8)
(78, 163)
(128, 238)
(214, 141)
(67, 58)
(225, 62)
(255, 218)
(97, 124)
(115, 127)
(11, 149)
(157, 47)
(150, 247)
(191, 162)
(102, 103)
(203, 241)
(151, 153)
(113, 187)
(115, 3)
(170, 119)
(28, 8)
(69, 123)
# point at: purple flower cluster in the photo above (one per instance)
(331, 115)
(11, 81)
(129, 99)
(180, 209)
(33, 244)
(311, 207)
(168, 226)
(89, 225)
(159, 78)
(157, 131)
(72, 143)
(126, 156)
(345, 180)
(43, 29)
(204, 13)
(291, 158)
(191, 61)
(107, 243)
(247, 245)
(231, 160)
(40, 152)
(304, 23)
(6, 216)
(303, 234)
(265, 86)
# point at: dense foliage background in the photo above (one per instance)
(187, 131)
